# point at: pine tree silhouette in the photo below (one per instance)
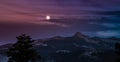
(117, 47)
(22, 50)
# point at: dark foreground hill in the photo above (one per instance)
(76, 48)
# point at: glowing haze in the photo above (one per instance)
(68, 16)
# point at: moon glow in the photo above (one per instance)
(48, 17)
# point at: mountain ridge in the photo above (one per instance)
(77, 45)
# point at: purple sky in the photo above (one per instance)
(92, 17)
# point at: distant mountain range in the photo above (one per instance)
(76, 48)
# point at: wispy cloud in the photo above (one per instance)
(51, 23)
(108, 33)
(109, 25)
(28, 16)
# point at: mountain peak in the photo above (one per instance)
(79, 35)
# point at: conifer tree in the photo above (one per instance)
(22, 50)
(117, 47)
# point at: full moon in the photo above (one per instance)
(48, 17)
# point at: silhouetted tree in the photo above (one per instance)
(117, 47)
(22, 50)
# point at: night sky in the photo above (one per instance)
(91, 17)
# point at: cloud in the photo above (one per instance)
(109, 33)
(108, 25)
(113, 12)
(28, 16)
(50, 23)
(111, 25)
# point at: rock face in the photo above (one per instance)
(76, 48)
